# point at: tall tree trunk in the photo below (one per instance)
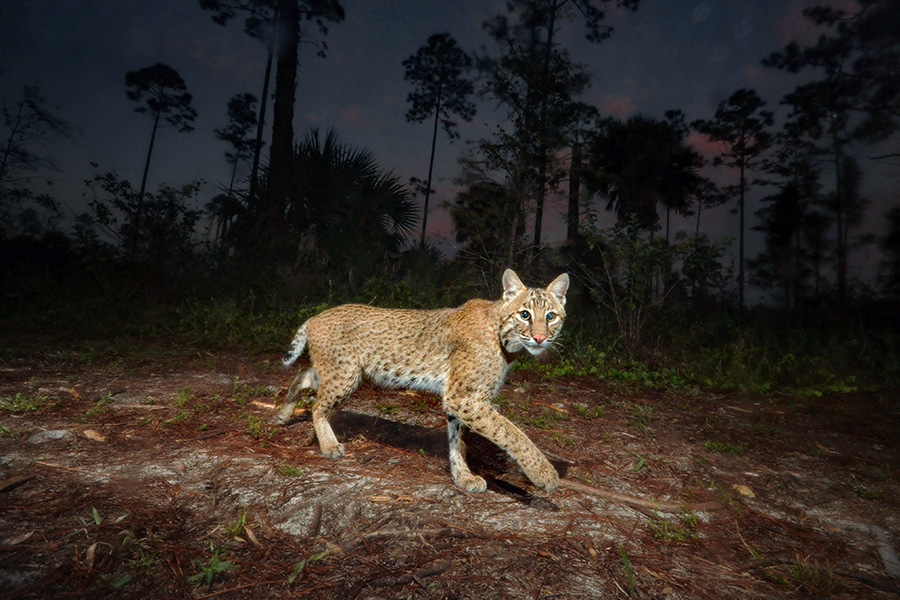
(9, 142)
(543, 147)
(839, 201)
(285, 91)
(437, 118)
(574, 210)
(261, 122)
(699, 210)
(135, 234)
(271, 223)
(741, 244)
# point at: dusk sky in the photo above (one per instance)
(666, 55)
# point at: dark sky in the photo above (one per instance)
(668, 54)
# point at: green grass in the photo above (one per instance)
(289, 471)
(387, 408)
(812, 577)
(589, 412)
(98, 408)
(24, 402)
(211, 569)
(236, 527)
(724, 447)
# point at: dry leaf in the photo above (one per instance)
(95, 435)
(743, 490)
(252, 537)
(824, 449)
(18, 539)
(89, 555)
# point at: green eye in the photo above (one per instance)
(525, 315)
(551, 316)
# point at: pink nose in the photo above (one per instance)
(539, 338)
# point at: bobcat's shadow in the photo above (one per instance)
(484, 457)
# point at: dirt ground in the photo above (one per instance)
(143, 471)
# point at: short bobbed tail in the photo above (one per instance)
(297, 346)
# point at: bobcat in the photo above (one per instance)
(460, 353)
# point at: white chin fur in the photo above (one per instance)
(534, 349)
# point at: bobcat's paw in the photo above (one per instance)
(285, 414)
(545, 476)
(335, 451)
(471, 483)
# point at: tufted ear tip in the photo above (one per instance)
(512, 285)
(559, 287)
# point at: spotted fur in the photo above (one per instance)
(461, 353)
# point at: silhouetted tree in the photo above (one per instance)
(241, 120)
(162, 95)
(578, 131)
(537, 81)
(260, 24)
(706, 196)
(344, 212)
(846, 206)
(890, 244)
(860, 57)
(29, 122)
(290, 13)
(740, 123)
(166, 235)
(639, 163)
(491, 171)
(27, 125)
(272, 201)
(784, 265)
(441, 90)
(489, 226)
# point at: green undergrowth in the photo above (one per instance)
(686, 353)
(756, 358)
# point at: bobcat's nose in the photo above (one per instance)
(539, 338)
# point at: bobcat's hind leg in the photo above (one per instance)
(307, 379)
(331, 393)
(459, 469)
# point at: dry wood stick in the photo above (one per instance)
(640, 503)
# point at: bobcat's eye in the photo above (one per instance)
(551, 316)
(525, 315)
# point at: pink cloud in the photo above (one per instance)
(618, 106)
(792, 26)
(756, 74)
(352, 115)
(705, 146)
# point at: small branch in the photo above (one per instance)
(640, 503)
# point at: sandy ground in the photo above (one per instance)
(153, 472)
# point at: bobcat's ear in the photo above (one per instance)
(512, 285)
(559, 287)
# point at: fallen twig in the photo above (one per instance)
(640, 503)
(14, 482)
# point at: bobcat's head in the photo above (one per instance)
(532, 317)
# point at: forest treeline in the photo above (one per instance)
(310, 220)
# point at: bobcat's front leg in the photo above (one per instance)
(459, 469)
(481, 418)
